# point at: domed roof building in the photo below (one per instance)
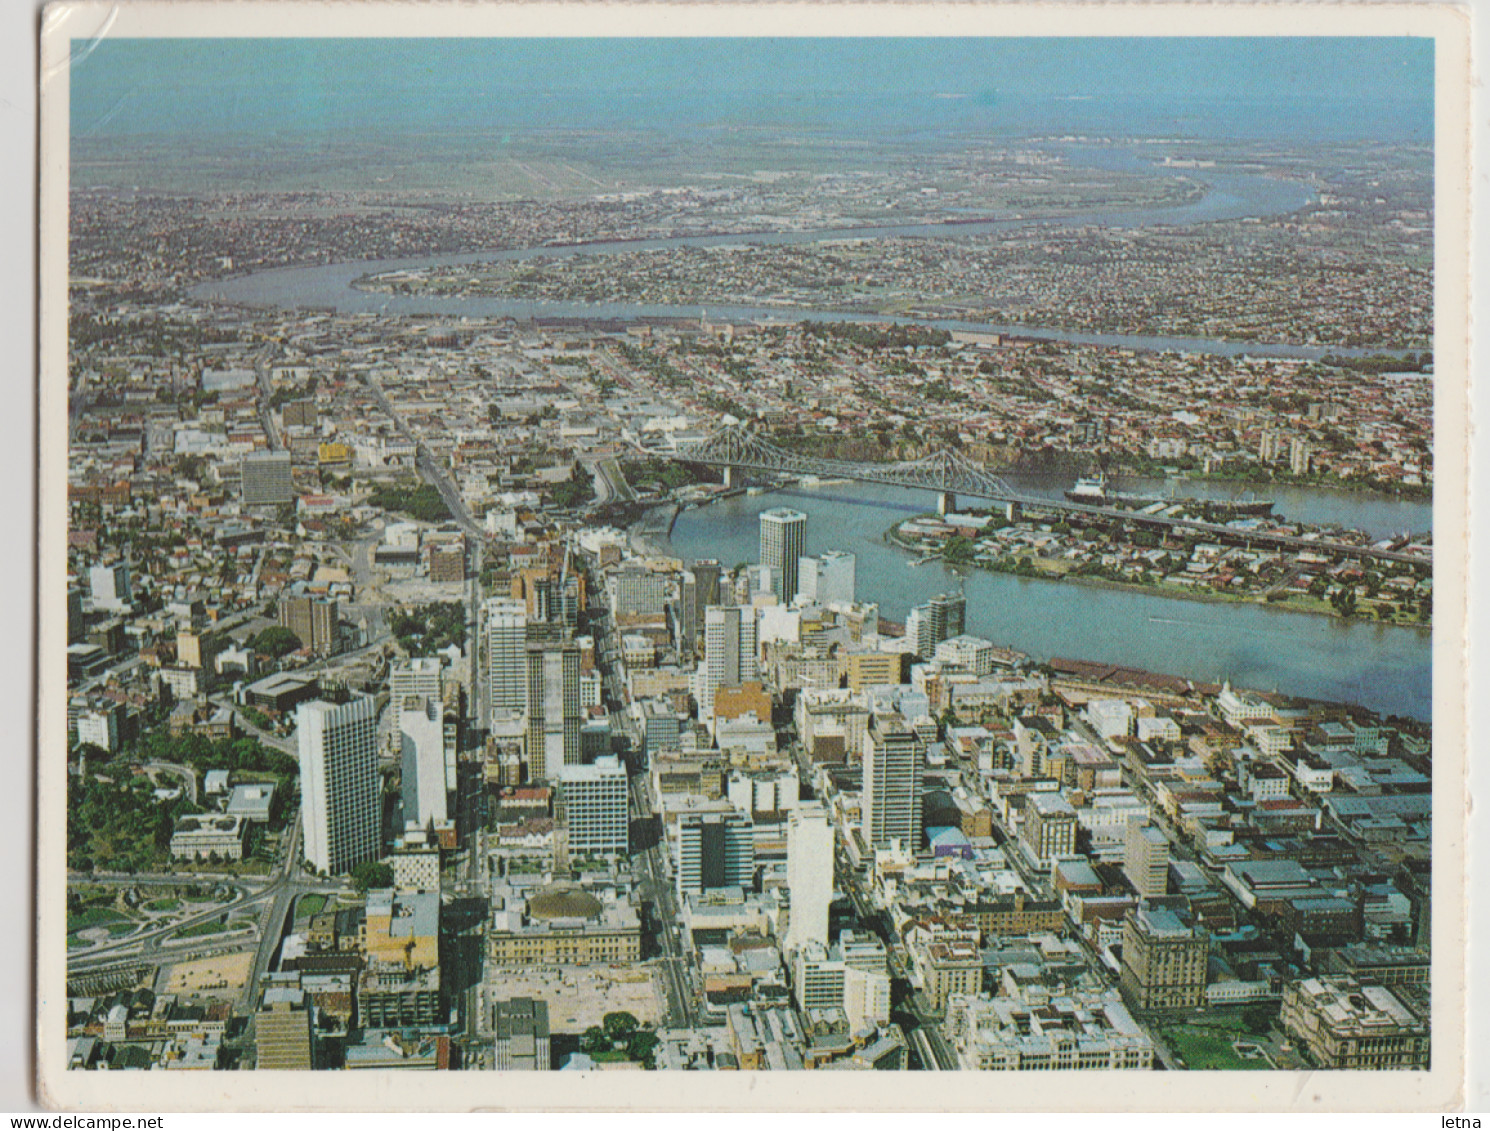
(563, 901)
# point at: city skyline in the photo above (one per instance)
(570, 575)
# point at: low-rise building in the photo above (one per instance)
(1049, 829)
(765, 1037)
(1346, 1024)
(201, 836)
(402, 928)
(562, 925)
(416, 867)
(948, 969)
(391, 996)
(252, 802)
(1040, 1029)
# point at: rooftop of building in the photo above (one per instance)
(1346, 1003)
(1161, 922)
(564, 901)
(409, 914)
(281, 682)
(1050, 804)
(205, 823)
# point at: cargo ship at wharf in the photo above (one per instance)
(1097, 492)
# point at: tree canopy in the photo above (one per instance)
(276, 641)
(371, 874)
(620, 1025)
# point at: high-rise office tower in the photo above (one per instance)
(1049, 828)
(266, 479)
(109, 585)
(1146, 859)
(312, 620)
(918, 631)
(540, 599)
(639, 591)
(341, 804)
(783, 534)
(729, 652)
(1164, 959)
(948, 616)
(685, 612)
(198, 649)
(569, 599)
(892, 785)
(74, 614)
(941, 618)
(755, 583)
(422, 739)
(828, 579)
(591, 803)
(553, 737)
(715, 850)
(809, 875)
(419, 676)
(708, 575)
(506, 630)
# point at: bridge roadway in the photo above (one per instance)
(951, 475)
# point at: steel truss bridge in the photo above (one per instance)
(945, 472)
(949, 475)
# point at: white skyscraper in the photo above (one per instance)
(918, 631)
(729, 652)
(422, 738)
(591, 803)
(783, 534)
(827, 579)
(420, 676)
(891, 802)
(941, 618)
(341, 803)
(109, 586)
(809, 875)
(506, 655)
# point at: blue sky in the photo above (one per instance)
(1284, 87)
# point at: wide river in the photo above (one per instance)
(1385, 667)
(1227, 196)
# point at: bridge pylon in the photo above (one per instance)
(946, 503)
(729, 475)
